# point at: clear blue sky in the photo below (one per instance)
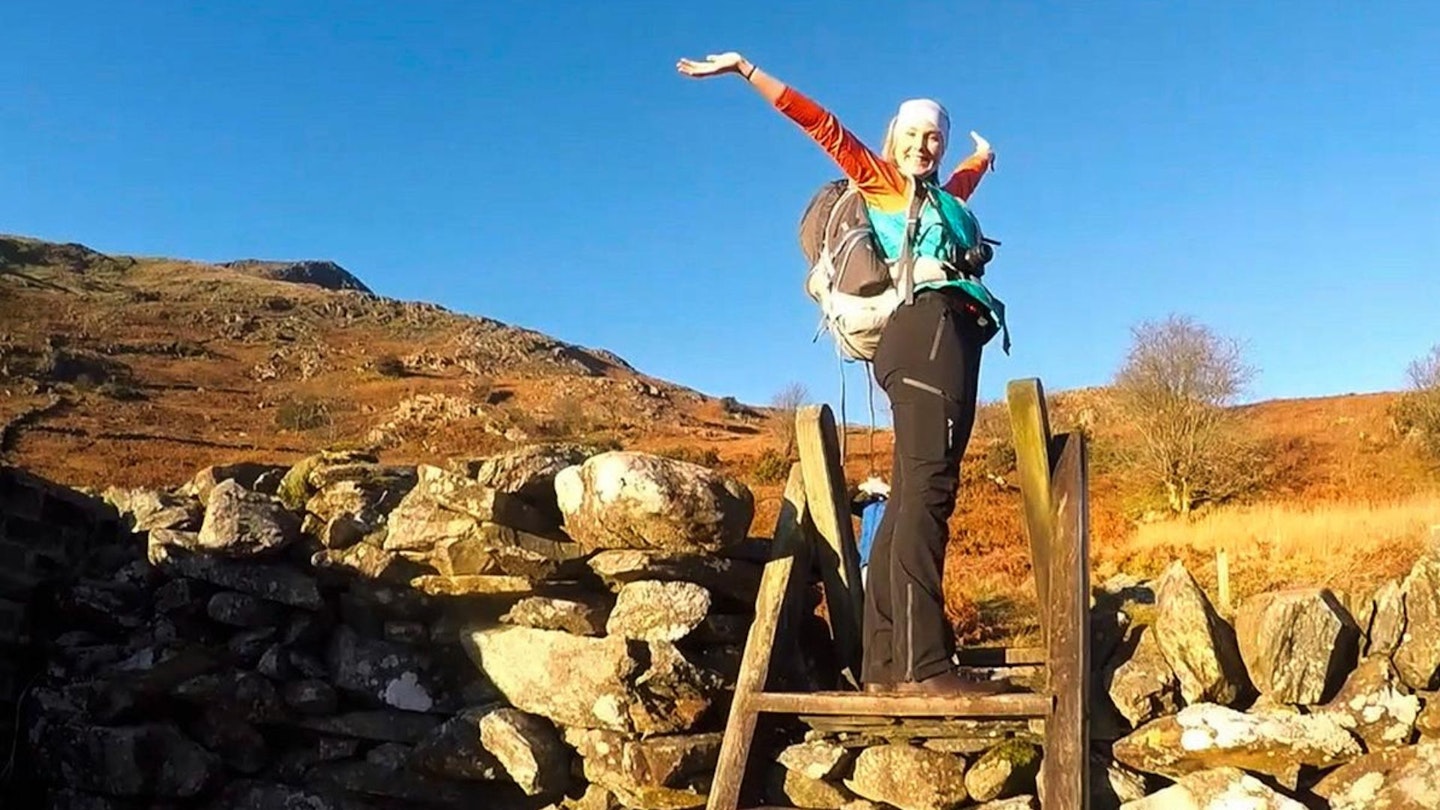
(1272, 169)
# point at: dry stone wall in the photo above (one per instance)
(1300, 703)
(558, 626)
(348, 634)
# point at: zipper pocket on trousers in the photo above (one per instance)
(909, 631)
(924, 386)
(939, 329)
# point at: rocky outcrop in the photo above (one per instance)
(1197, 644)
(633, 500)
(1297, 644)
(1205, 736)
(909, 778)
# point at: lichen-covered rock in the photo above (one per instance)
(634, 500)
(1417, 657)
(1376, 706)
(128, 761)
(311, 696)
(244, 694)
(142, 510)
(250, 475)
(1113, 784)
(243, 610)
(241, 523)
(1012, 803)
(1387, 619)
(1428, 721)
(316, 472)
(609, 683)
(1197, 644)
(794, 789)
(1217, 789)
(359, 559)
(1395, 779)
(528, 471)
(581, 616)
(658, 611)
(816, 759)
(1007, 770)
(456, 750)
(528, 748)
(278, 583)
(669, 761)
(1143, 686)
(476, 585)
(1206, 735)
(1297, 644)
(444, 505)
(909, 778)
(482, 553)
(384, 673)
(736, 580)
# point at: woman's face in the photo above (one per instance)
(917, 148)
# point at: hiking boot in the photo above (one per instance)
(950, 684)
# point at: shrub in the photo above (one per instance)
(770, 467)
(705, 457)
(1417, 411)
(121, 390)
(481, 389)
(391, 366)
(302, 413)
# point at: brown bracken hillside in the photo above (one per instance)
(138, 371)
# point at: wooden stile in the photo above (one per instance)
(815, 518)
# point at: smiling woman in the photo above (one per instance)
(927, 360)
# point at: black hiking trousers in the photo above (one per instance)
(928, 364)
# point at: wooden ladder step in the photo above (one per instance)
(1001, 656)
(859, 704)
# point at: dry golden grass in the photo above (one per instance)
(1345, 545)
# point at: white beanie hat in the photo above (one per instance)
(924, 111)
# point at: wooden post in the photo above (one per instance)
(1222, 580)
(1030, 423)
(788, 547)
(1067, 731)
(829, 509)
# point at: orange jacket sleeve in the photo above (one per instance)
(967, 175)
(881, 183)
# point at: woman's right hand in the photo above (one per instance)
(713, 65)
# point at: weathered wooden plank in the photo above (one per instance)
(857, 704)
(829, 509)
(1067, 733)
(1030, 424)
(923, 727)
(1000, 656)
(788, 544)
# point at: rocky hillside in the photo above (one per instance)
(120, 369)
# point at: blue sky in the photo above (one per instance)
(1271, 169)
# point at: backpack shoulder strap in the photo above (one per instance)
(906, 261)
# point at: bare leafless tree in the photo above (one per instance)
(784, 405)
(1417, 411)
(1174, 389)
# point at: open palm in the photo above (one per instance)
(713, 65)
